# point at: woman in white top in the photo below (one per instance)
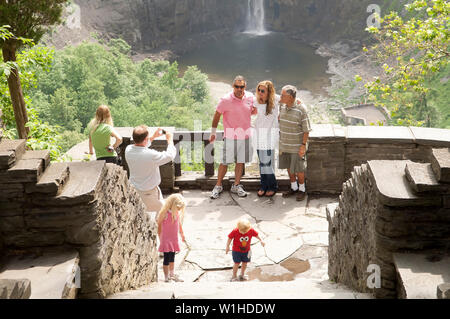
(266, 129)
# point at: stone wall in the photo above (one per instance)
(89, 206)
(335, 150)
(388, 207)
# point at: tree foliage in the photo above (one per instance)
(25, 19)
(412, 52)
(148, 92)
(41, 134)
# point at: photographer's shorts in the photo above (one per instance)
(153, 199)
(237, 151)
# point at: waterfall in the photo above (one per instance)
(255, 17)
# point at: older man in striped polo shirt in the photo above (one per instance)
(294, 133)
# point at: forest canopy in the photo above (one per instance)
(67, 91)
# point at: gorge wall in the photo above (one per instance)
(150, 24)
(146, 24)
(323, 20)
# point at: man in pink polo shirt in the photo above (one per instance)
(237, 108)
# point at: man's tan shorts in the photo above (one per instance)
(236, 151)
(293, 162)
(153, 199)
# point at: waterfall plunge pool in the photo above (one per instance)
(272, 56)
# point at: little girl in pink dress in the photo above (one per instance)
(170, 220)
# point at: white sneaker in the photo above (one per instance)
(176, 278)
(216, 192)
(239, 190)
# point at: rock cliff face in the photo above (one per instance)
(149, 24)
(321, 20)
(146, 24)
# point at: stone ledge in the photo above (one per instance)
(395, 190)
(25, 171)
(42, 155)
(422, 179)
(440, 162)
(85, 178)
(10, 152)
(379, 134)
(431, 136)
(52, 181)
(51, 272)
(421, 273)
(326, 133)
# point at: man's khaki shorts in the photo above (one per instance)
(292, 162)
(237, 151)
(153, 199)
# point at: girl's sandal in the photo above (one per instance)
(261, 193)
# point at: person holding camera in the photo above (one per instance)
(101, 129)
(144, 164)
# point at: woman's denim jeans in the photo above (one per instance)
(267, 170)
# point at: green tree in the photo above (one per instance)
(411, 51)
(26, 19)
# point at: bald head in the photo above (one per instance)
(140, 133)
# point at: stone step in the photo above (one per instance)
(54, 274)
(79, 188)
(422, 179)
(10, 152)
(393, 187)
(420, 274)
(43, 155)
(249, 183)
(440, 162)
(52, 181)
(24, 171)
(299, 289)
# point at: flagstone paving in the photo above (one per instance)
(295, 254)
(294, 232)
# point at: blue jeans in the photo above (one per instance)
(267, 171)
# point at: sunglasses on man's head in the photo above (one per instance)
(239, 86)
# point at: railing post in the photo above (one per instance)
(177, 137)
(208, 156)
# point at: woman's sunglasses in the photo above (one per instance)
(262, 91)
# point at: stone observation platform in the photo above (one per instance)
(376, 196)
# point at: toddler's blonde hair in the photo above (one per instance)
(174, 202)
(243, 225)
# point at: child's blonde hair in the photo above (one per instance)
(243, 225)
(174, 202)
(102, 115)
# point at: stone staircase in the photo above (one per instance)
(394, 214)
(292, 265)
(57, 221)
(49, 273)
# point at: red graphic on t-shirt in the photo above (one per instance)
(242, 242)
